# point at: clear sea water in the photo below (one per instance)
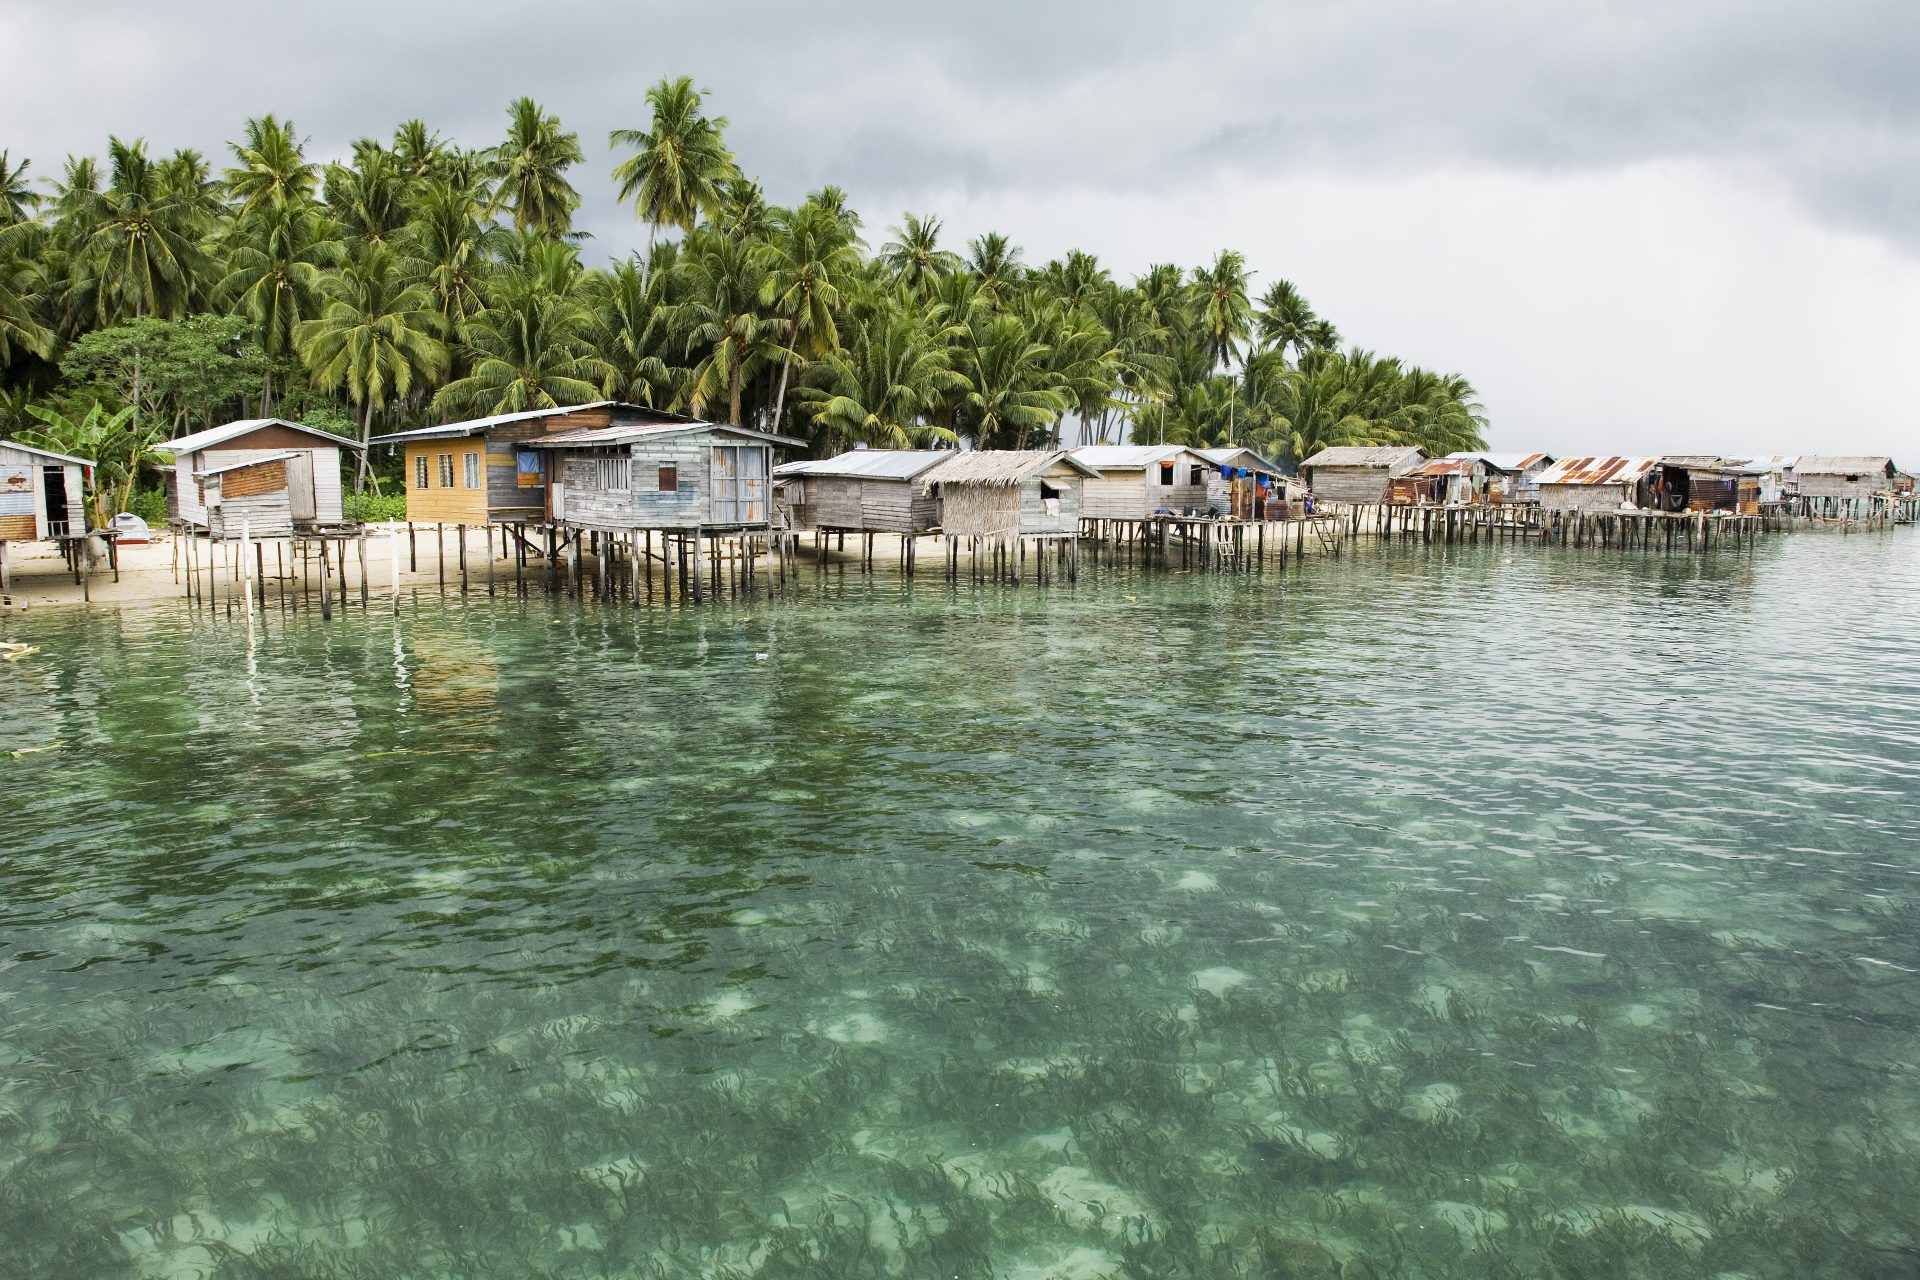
(1446, 912)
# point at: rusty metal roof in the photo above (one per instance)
(1598, 470)
(1506, 461)
(1449, 466)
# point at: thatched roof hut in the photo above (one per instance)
(1008, 493)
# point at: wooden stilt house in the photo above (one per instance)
(1844, 476)
(1358, 475)
(687, 476)
(1009, 493)
(1601, 484)
(1136, 481)
(860, 491)
(311, 459)
(1243, 485)
(486, 470)
(252, 497)
(42, 497)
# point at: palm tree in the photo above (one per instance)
(631, 332)
(23, 288)
(1010, 396)
(727, 334)
(529, 350)
(368, 198)
(914, 255)
(140, 255)
(275, 257)
(533, 163)
(18, 200)
(880, 389)
(273, 168)
(1226, 317)
(995, 262)
(377, 338)
(681, 167)
(1285, 318)
(811, 258)
(449, 248)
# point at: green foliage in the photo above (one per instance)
(374, 508)
(117, 444)
(190, 373)
(416, 281)
(150, 505)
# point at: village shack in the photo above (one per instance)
(1008, 493)
(1510, 478)
(486, 471)
(42, 497)
(311, 459)
(1774, 474)
(1138, 481)
(1705, 483)
(1844, 476)
(1358, 474)
(1243, 485)
(1600, 484)
(860, 491)
(252, 496)
(687, 476)
(1451, 481)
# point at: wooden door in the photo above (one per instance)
(300, 496)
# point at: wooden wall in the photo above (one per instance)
(1359, 485)
(1584, 497)
(436, 504)
(253, 500)
(1134, 495)
(868, 504)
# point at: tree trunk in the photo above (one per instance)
(786, 364)
(736, 388)
(366, 434)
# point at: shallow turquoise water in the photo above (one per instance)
(1449, 912)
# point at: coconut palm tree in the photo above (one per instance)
(271, 168)
(18, 200)
(631, 331)
(528, 350)
(995, 263)
(533, 162)
(376, 338)
(449, 248)
(811, 259)
(1285, 318)
(726, 328)
(368, 198)
(1226, 317)
(141, 253)
(1011, 397)
(880, 389)
(275, 256)
(23, 290)
(681, 166)
(914, 255)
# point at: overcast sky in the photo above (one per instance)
(1684, 226)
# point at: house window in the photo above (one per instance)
(669, 478)
(528, 471)
(607, 473)
(446, 471)
(1166, 475)
(1193, 475)
(420, 471)
(472, 476)
(1049, 491)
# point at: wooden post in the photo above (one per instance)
(361, 551)
(326, 592)
(461, 531)
(440, 553)
(503, 547)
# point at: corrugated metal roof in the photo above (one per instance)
(1709, 460)
(1450, 466)
(1238, 456)
(591, 437)
(1131, 457)
(225, 467)
(1362, 456)
(869, 464)
(44, 453)
(213, 437)
(475, 426)
(1506, 461)
(1598, 470)
(1841, 464)
(1000, 466)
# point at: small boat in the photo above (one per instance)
(129, 529)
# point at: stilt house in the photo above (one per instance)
(1135, 481)
(861, 491)
(1008, 493)
(252, 496)
(1600, 484)
(42, 493)
(311, 456)
(685, 476)
(1508, 477)
(1245, 486)
(1844, 476)
(1358, 474)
